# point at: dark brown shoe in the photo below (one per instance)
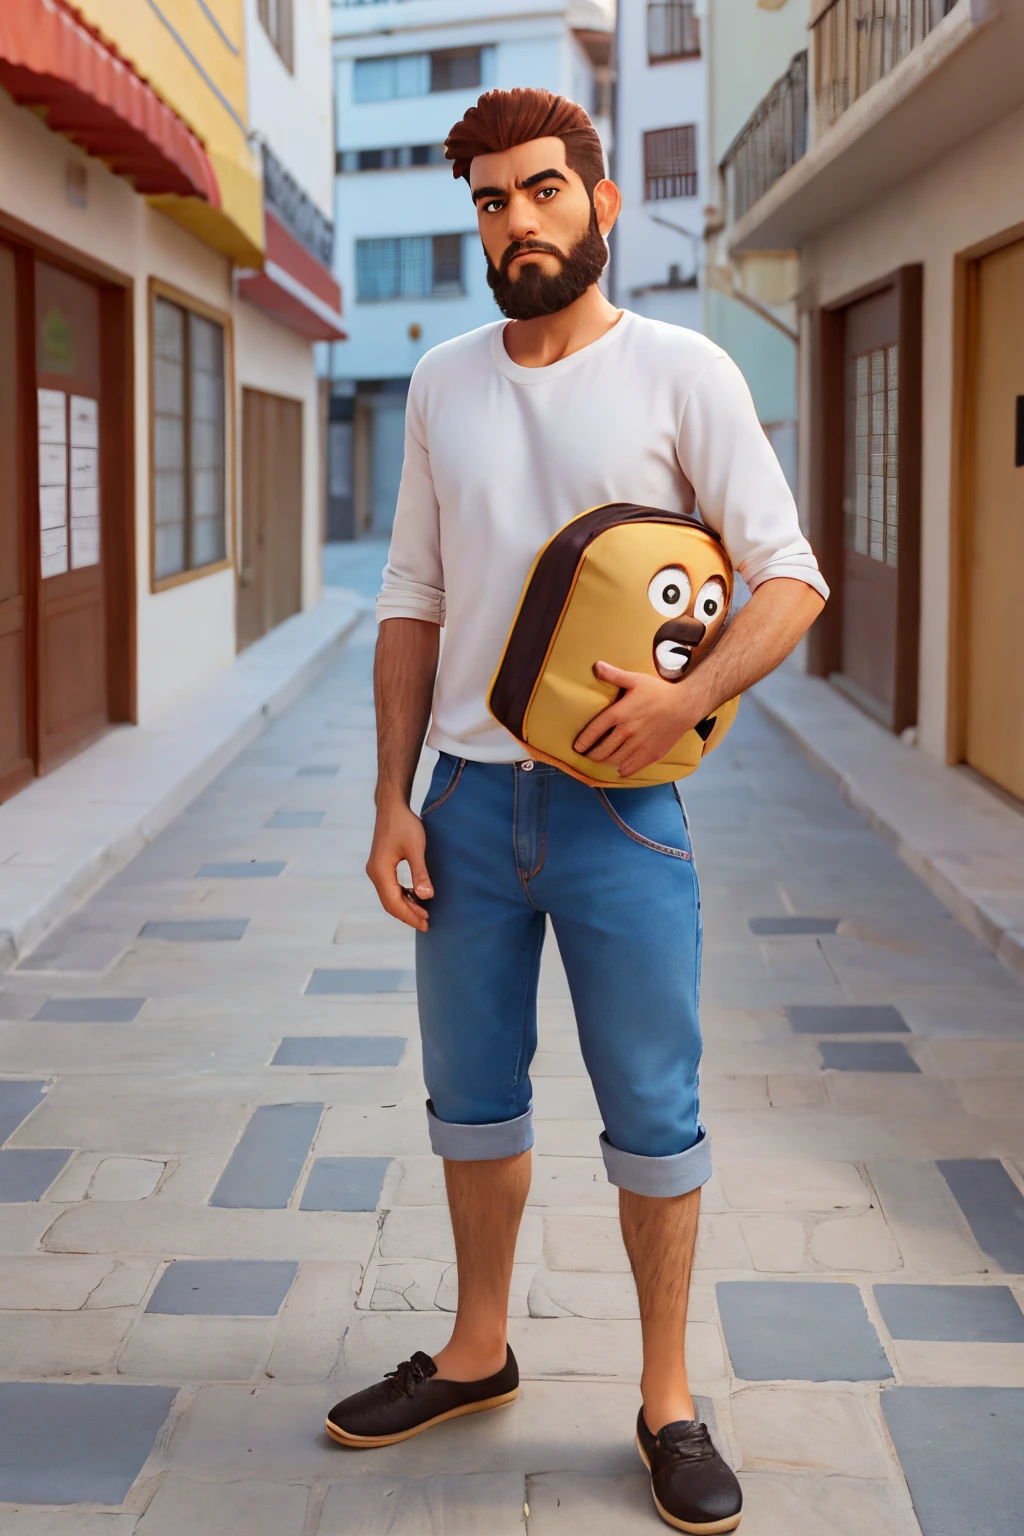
(411, 1399)
(694, 1489)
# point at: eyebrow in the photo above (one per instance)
(531, 181)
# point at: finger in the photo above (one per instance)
(632, 761)
(393, 898)
(609, 674)
(420, 879)
(598, 727)
(606, 750)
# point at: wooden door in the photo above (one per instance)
(270, 579)
(72, 678)
(995, 639)
(16, 766)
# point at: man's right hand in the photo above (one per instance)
(397, 835)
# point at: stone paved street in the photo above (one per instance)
(221, 1213)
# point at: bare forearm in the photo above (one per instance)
(762, 635)
(403, 683)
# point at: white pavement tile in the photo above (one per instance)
(928, 1364)
(815, 1430)
(804, 1504)
(567, 1504)
(48, 1344)
(249, 1508)
(466, 1504)
(794, 1186)
(312, 1323)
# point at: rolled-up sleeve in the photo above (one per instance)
(741, 490)
(413, 586)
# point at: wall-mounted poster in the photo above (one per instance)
(53, 481)
(85, 481)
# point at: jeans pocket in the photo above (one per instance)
(447, 773)
(651, 819)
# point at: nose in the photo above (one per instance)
(522, 217)
(684, 631)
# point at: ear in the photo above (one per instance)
(607, 204)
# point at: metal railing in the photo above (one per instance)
(772, 139)
(858, 42)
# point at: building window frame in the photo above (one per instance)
(406, 263)
(670, 163)
(277, 18)
(423, 71)
(185, 301)
(673, 31)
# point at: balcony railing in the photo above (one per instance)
(858, 42)
(772, 139)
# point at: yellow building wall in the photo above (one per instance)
(192, 52)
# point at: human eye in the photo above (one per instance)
(546, 194)
(493, 205)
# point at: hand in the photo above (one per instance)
(643, 725)
(397, 835)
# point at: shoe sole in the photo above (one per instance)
(705, 1528)
(371, 1442)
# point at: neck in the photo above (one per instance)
(547, 339)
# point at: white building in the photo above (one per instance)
(659, 159)
(408, 253)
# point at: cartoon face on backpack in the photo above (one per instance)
(646, 590)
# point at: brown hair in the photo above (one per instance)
(503, 119)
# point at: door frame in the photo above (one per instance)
(827, 468)
(966, 270)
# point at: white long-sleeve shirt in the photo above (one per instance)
(499, 457)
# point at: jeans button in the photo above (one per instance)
(527, 767)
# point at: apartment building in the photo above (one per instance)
(408, 254)
(660, 133)
(165, 228)
(904, 202)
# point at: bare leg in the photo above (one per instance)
(660, 1236)
(486, 1201)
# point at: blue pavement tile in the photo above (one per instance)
(318, 771)
(333, 982)
(867, 1056)
(264, 1168)
(201, 930)
(789, 927)
(223, 1287)
(798, 1330)
(251, 869)
(295, 819)
(26, 1173)
(17, 1101)
(339, 1051)
(952, 1314)
(847, 1019)
(90, 1010)
(345, 1184)
(960, 1450)
(993, 1205)
(69, 1444)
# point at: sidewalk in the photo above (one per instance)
(221, 1213)
(965, 843)
(65, 834)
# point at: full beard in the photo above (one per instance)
(533, 292)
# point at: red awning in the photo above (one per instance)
(294, 287)
(50, 57)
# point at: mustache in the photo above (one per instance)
(520, 247)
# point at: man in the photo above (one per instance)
(511, 431)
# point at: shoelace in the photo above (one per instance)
(686, 1441)
(410, 1374)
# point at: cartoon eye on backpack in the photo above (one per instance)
(644, 589)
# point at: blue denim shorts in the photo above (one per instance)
(510, 845)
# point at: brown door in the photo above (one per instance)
(995, 670)
(16, 765)
(270, 580)
(876, 615)
(72, 679)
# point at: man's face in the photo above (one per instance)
(541, 230)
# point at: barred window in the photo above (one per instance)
(670, 163)
(277, 21)
(410, 267)
(673, 31)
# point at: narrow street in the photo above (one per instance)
(222, 1213)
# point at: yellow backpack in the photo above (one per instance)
(643, 589)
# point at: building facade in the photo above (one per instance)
(408, 254)
(158, 291)
(907, 211)
(660, 159)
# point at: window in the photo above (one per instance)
(412, 267)
(872, 524)
(670, 163)
(405, 155)
(276, 17)
(189, 530)
(420, 74)
(673, 31)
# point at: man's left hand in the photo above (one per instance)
(643, 725)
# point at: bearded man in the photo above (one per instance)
(512, 431)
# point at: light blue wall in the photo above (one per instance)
(764, 355)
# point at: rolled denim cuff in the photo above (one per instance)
(662, 1177)
(480, 1143)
